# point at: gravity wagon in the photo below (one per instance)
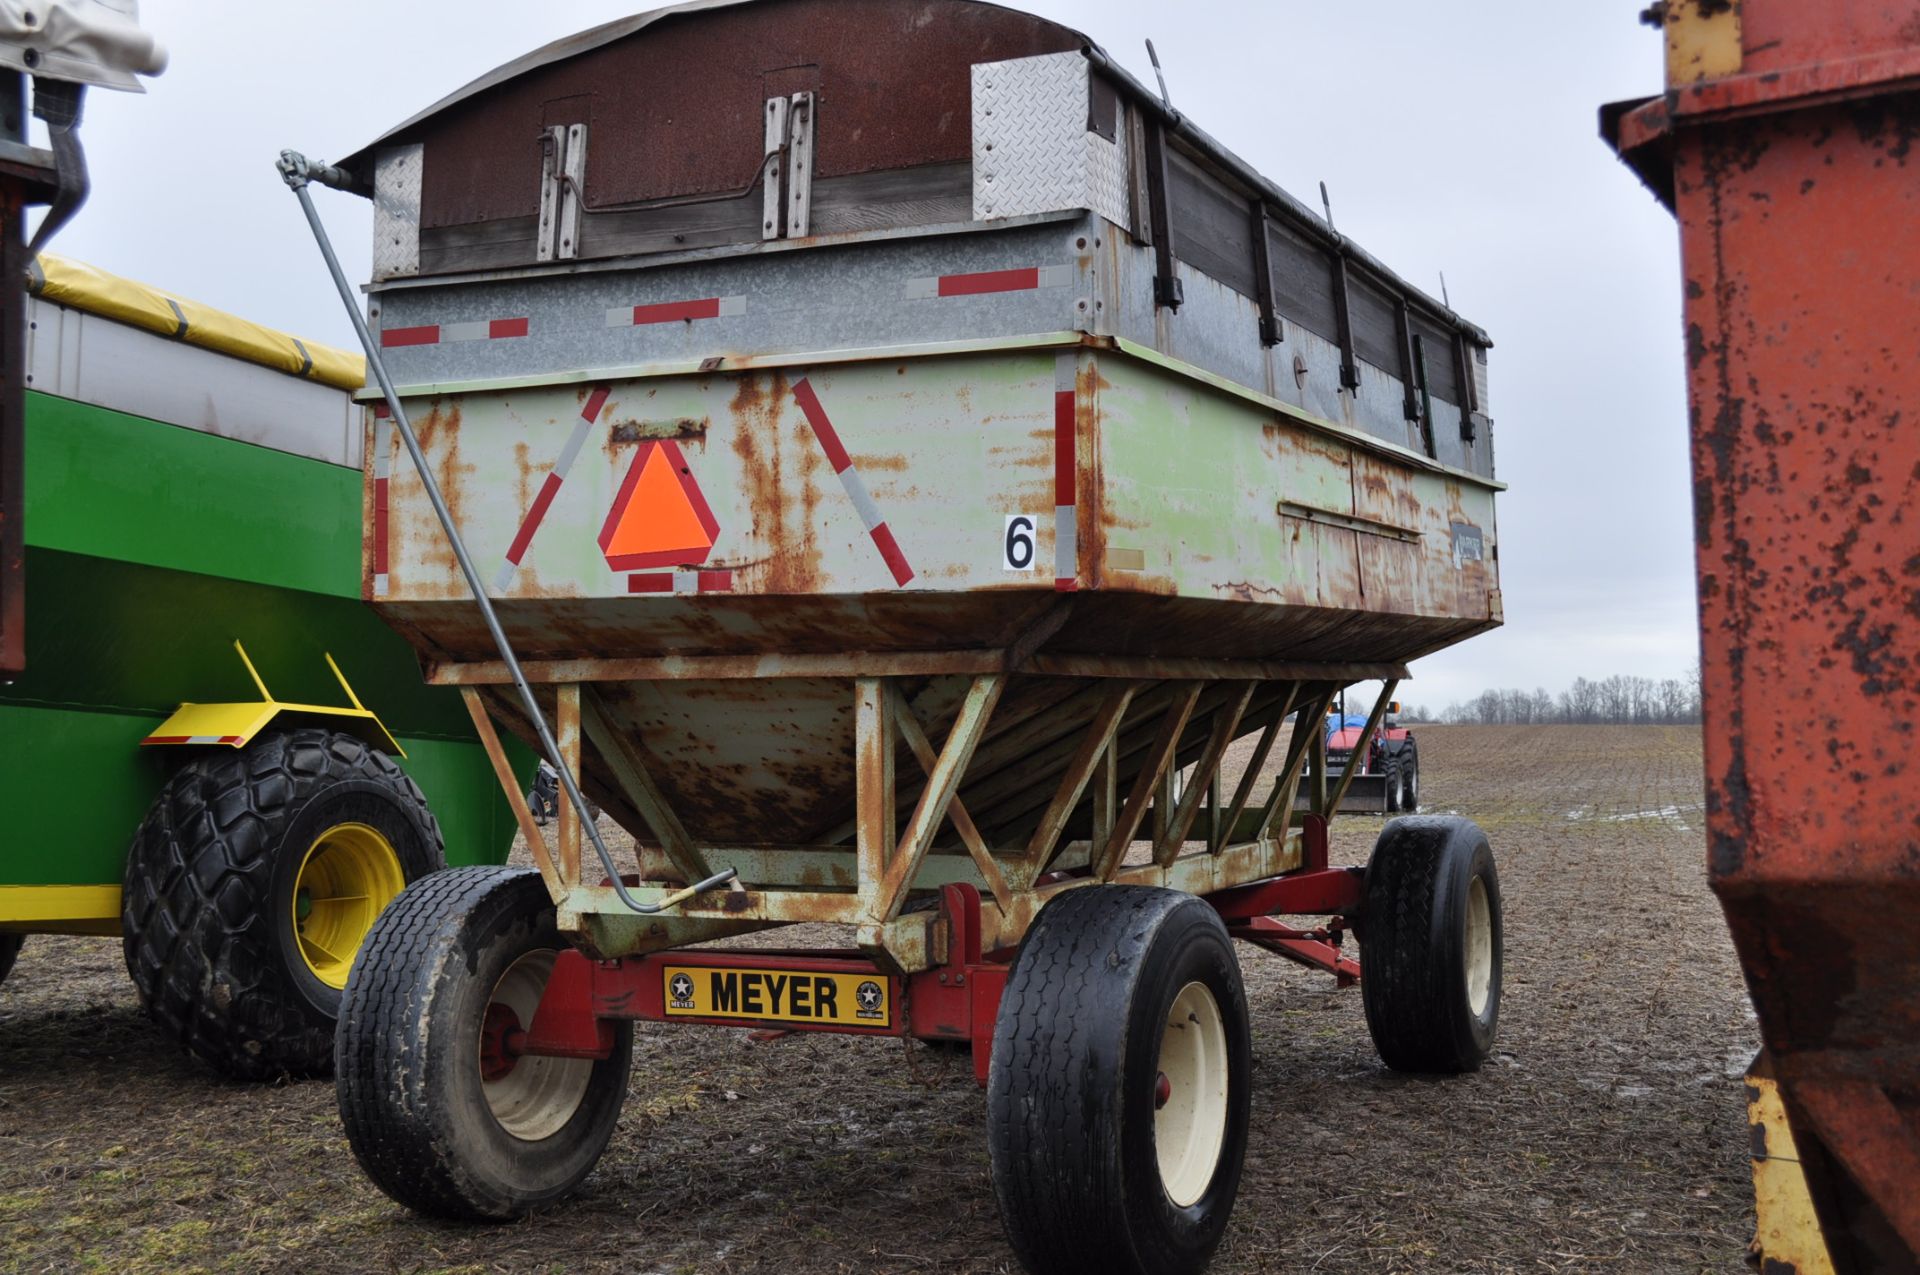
(900, 456)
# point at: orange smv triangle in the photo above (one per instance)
(660, 518)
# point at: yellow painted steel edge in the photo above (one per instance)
(1786, 1229)
(60, 909)
(236, 725)
(81, 286)
(1703, 40)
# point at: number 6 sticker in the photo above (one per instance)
(1017, 548)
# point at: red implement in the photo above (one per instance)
(1788, 145)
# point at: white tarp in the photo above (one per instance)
(88, 41)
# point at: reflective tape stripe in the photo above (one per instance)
(869, 512)
(634, 316)
(550, 487)
(382, 489)
(890, 553)
(444, 333)
(987, 282)
(681, 582)
(1066, 548)
(1066, 541)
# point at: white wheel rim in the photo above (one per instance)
(539, 1095)
(1190, 1122)
(1479, 953)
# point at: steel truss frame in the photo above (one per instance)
(1086, 788)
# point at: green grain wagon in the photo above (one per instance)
(179, 763)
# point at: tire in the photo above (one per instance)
(1430, 945)
(1410, 777)
(1095, 1166)
(10, 945)
(250, 884)
(1391, 768)
(427, 1127)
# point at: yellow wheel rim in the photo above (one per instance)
(348, 875)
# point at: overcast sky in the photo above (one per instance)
(1455, 135)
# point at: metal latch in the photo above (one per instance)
(563, 175)
(787, 171)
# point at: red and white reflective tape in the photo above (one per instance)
(444, 333)
(850, 479)
(543, 499)
(681, 582)
(191, 739)
(382, 480)
(1029, 279)
(639, 316)
(1066, 528)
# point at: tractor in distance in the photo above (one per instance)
(1388, 782)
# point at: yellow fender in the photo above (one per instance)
(236, 725)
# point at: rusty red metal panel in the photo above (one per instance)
(675, 110)
(1796, 180)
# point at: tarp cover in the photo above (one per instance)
(81, 286)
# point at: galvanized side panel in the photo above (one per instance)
(888, 294)
(1217, 328)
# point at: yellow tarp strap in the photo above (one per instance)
(76, 284)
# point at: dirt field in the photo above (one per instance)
(1606, 1135)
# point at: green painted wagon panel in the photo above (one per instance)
(104, 483)
(151, 548)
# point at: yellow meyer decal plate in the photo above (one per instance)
(776, 996)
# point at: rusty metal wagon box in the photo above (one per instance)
(903, 454)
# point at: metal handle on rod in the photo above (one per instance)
(297, 172)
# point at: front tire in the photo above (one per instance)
(1430, 945)
(250, 885)
(440, 1121)
(1118, 1090)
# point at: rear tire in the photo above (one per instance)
(1394, 784)
(1430, 945)
(251, 883)
(10, 945)
(428, 1127)
(1118, 1090)
(1410, 776)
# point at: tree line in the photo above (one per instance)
(1620, 700)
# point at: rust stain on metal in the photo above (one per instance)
(1796, 207)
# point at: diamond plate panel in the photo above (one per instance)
(396, 211)
(1032, 151)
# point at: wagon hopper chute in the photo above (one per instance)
(905, 454)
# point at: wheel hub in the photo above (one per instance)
(501, 1039)
(346, 879)
(1190, 1094)
(533, 1096)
